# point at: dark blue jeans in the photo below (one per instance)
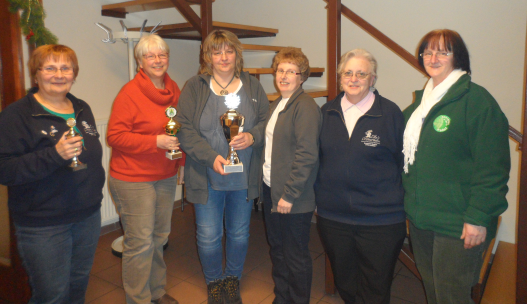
(288, 236)
(236, 210)
(58, 259)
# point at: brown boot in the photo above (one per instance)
(232, 290)
(215, 292)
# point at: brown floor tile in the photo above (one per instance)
(254, 259)
(112, 275)
(409, 289)
(98, 288)
(187, 293)
(332, 299)
(105, 241)
(182, 267)
(115, 296)
(263, 272)
(198, 279)
(254, 291)
(104, 260)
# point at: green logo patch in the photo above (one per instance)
(441, 123)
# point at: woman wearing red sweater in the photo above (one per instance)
(142, 180)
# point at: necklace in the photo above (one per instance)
(224, 91)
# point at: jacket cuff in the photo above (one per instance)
(476, 217)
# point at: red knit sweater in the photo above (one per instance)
(138, 116)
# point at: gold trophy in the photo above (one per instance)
(76, 164)
(171, 129)
(232, 123)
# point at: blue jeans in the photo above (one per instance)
(58, 259)
(146, 214)
(232, 205)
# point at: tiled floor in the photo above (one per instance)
(185, 280)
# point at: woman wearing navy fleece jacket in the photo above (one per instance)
(358, 191)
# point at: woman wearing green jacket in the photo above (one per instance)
(456, 168)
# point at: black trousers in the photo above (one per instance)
(362, 258)
(288, 236)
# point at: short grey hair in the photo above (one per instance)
(146, 44)
(358, 53)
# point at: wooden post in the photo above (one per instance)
(206, 23)
(14, 286)
(334, 18)
(521, 277)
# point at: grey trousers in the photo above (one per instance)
(448, 269)
(146, 213)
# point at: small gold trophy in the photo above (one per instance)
(232, 123)
(76, 164)
(171, 129)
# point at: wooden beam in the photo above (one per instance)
(184, 8)
(389, 43)
(206, 19)
(334, 11)
(14, 286)
(12, 62)
(521, 278)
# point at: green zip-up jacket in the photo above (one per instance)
(462, 162)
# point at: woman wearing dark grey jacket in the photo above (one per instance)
(290, 163)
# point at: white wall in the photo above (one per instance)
(494, 31)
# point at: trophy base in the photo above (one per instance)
(77, 167)
(233, 168)
(174, 155)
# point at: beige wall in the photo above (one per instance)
(494, 32)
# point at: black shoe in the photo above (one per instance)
(215, 292)
(232, 290)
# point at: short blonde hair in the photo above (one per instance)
(214, 42)
(56, 52)
(294, 56)
(358, 53)
(148, 43)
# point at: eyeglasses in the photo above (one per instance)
(287, 73)
(152, 57)
(439, 55)
(226, 52)
(51, 70)
(359, 75)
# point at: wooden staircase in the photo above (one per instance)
(198, 28)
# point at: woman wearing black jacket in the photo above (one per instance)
(55, 209)
(358, 191)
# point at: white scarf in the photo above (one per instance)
(431, 97)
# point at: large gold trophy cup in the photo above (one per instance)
(232, 123)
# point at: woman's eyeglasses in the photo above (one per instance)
(51, 70)
(152, 57)
(359, 75)
(439, 55)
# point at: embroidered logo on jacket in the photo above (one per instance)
(53, 131)
(89, 129)
(371, 140)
